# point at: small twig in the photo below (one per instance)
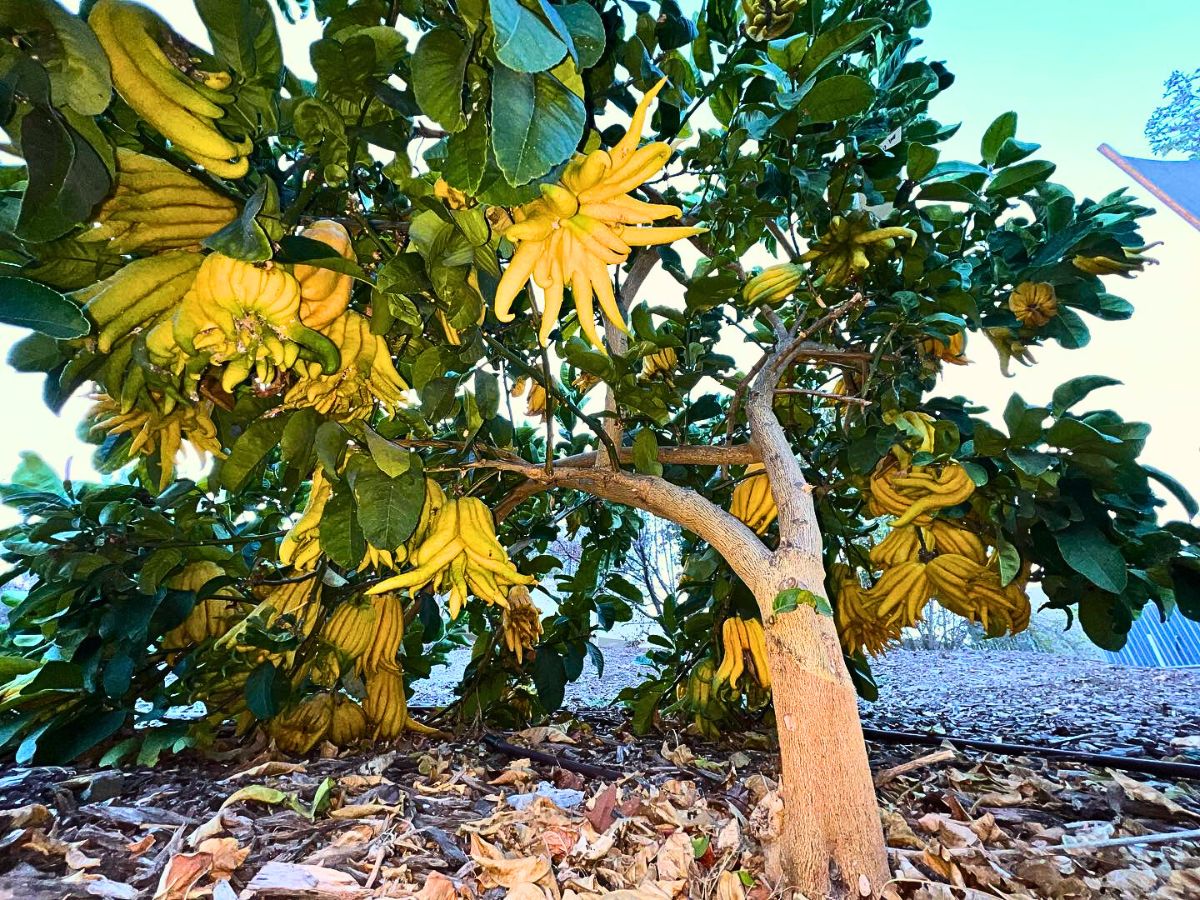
(561, 762)
(1161, 837)
(825, 395)
(781, 236)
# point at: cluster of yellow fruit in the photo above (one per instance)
(301, 546)
(520, 622)
(923, 557)
(584, 224)
(164, 81)
(210, 617)
(535, 402)
(774, 284)
(661, 362)
(768, 19)
(461, 550)
(698, 696)
(1133, 259)
(155, 207)
(745, 652)
(1034, 304)
(851, 246)
(361, 636)
(753, 503)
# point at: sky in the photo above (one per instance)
(1079, 73)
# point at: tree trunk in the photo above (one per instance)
(832, 842)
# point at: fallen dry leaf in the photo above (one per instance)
(227, 856)
(265, 770)
(730, 887)
(437, 887)
(497, 870)
(601, 815)
(182, 873)
(674, 858)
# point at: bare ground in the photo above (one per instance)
(1008, 695)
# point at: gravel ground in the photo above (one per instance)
(1007, 695)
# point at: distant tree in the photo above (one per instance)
(1175, 126)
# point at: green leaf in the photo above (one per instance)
(243, 35)
(834, 44)
(36, 474)
(244, 238)
(537, 122)
(644, 708)
(11, 666)
(645, 453)
(392, 459)
(1010, 562)
(1003, 128)
(250, 450)
(1016, 180)
(549, 677)
(523, 41)
(66, 48)
(266, 690)
(1104, 619)
(791, 599)
(36, 352)
(340, 533)
(587, 32)
(67, 177)
(28, 304)
(296, 443)
(1086, 550)
(388, 508)
(294, 248)
(837, 98)
(487, 393)
(921, 160)
(467, 155)
(1067, 394)
(1186, 500)
(439, 68)
(80, 735)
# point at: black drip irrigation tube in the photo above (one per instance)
(1161, 767)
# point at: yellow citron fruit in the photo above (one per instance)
(156, 433)
(520, 622)
(155, 207)
(951, 350)
(774, 284)
(324, 293)
(135, 38)
(753, 503)
(584, 224)
(210, 617)
(1034, 304)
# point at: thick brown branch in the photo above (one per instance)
(741, 454)
(739, 546)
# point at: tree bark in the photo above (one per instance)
(832, 843)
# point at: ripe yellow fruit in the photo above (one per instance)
(1033, 304)
(753, 503)
(584, 224)
(300, 728)
(210, 617)
(952, 350)
(324, 293)
(348, 723)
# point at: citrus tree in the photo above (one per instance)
(488, 278)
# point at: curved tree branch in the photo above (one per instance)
(739, 454)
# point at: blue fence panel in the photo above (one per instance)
(1157, 644)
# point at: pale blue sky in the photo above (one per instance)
(1079, 72)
